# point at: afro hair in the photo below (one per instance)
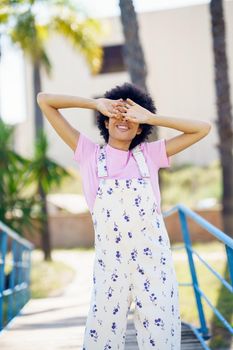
(132, 91)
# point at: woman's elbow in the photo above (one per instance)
(41, 97)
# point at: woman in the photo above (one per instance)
(133, 259)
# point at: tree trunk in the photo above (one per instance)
(45, 233)
(133, 53)
(221, 336)
(224, 119)
(37, 88)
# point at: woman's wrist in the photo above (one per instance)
(152, 119)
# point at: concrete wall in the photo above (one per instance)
(69, 231)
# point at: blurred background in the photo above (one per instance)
(181, 52)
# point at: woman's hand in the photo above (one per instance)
(133, 112)
(107, 106)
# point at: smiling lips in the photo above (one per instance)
(122, 127)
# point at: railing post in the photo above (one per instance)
(3, 249)
(188, 244)
(229, 252)
(11, 284)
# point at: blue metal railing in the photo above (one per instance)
(15, 254)
(202, 333)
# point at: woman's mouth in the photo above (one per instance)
(122, 127)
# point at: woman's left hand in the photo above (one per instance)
(133, 112)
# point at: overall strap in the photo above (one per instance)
(141, 161)
(101, 162)
(137, 153)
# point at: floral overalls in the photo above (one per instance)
(133, 262)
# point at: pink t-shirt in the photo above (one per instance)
(120, 164)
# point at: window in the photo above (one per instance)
(112, 59)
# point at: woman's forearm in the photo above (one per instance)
(66, 101)
(185, 125)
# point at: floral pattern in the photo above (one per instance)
(133, 263)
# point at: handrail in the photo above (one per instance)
(203, 332)
(15, 252)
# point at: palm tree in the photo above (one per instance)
(46, 173)
(22, 184)
(225, 146)
(132, 51)
(18, 206)
(26, 30)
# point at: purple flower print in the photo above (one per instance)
(128, 183)
(137, 200)
(126, 217)
(172, 331)
(114, 326)
(160, 239)
(143, 230)
(110, 190)
(94, 334)
(147, 251)
(107, 346)
(118, 238)
(130, 234)
(115, 227)
(109, 292)
(142, 212)
(146, 323)
(141, 181)
(153, 297)
(101, 156)
(138, 303)
(114, 276)
(152, 342)
(157, 222)
(116, 309)
(118, 256)
(102, 264)
(94, 309)
(173, 309)
(99, 192)
(163, 276)
(147, 285)
(163, 260)
(140, 270)
(134, 254)
(116, 183)
(158, 321)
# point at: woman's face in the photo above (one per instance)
(121, 129)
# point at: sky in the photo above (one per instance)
(12, 84)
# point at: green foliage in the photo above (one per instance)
(20, 201)
(64, 17)
(193, 182)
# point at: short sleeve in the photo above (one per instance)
(84, 148)
(157, 152)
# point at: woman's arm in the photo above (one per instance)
(50, 103)
(193, 130)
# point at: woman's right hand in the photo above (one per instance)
(107, 106)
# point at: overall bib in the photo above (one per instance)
(133, 262)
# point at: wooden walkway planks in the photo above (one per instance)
(189, 341)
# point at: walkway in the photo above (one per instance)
(57, 323)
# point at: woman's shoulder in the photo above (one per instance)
(84, 148)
